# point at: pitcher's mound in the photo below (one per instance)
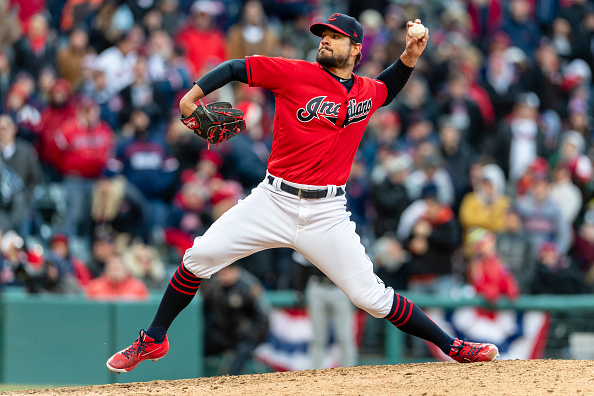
(506, 377)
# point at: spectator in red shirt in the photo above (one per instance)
(201, 42)
(116, 283)
(488, 274)
(85, 144)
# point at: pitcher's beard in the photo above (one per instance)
(332, 61)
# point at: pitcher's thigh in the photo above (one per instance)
(338, 252)
(246, 228)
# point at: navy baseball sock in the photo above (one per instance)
(412, 320)
(182, 288)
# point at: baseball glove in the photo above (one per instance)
(215, 122)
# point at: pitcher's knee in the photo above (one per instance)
(203, 259)
(376, 307)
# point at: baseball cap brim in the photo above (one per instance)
(318, 29)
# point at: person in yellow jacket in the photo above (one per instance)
(487, 205)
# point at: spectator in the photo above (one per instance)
(13, 199)
(144, 263)
(84, 145)
(116, 283)
(430, 233)
(555, 273)
(571, 152)
(520, 139)
(391, 261)
(566, 194)
(542, 217)
(236, 312)
(103, 246)
(10, 29)
(462, 111)
(389, 195)
(70, 57)
(583, 249)
(37, 49)
(514, 246)
(252, 35)
(118, 61)
(202, 43)
(172, 17)
(19, 156)
(488, 274)
(146, 161)
(18, 106)
(6, 76)
(431, 172)
(521, 26)
(501, 83)
(119, 208)
(486, 206)
(457, 155)
(61, 108)
(13, 262)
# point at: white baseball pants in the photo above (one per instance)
(319, 229)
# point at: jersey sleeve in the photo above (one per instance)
(381, 93)
(273, 74)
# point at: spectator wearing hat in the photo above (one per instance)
(520, 139)
(430, 233)
(13, 263)
(556, 273)
(116, 283)
(202, 43)
(61, 108)
(19, 107)
(542, 217)
(84, 146)
(389, 194)
(486, 206)
(489, 275)
(514, 246)
(571, 153)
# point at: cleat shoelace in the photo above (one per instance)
(466, 350)
(138, 347)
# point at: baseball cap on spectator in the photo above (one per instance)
(206, 7)
(529, 99)
(540, 176)
(398, 163)
(57, 238)
(548, 247)
(212, 156)
(18, 90)
(341, 23)
(429, 191)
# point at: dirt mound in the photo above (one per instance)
(509, 377)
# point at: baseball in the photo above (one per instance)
(417, 30)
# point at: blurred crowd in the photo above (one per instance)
(476, 179)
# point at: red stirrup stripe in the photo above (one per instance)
(403, 310)
(178, 272)
(181, 291)
(188, 273)
(410, 309)
(182, 284)
(395, 309)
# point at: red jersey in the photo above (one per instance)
(318, 125)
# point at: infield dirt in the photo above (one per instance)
(509, 377)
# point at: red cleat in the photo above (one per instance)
(144, 348)
(469, 352)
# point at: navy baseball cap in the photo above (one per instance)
(342, 23)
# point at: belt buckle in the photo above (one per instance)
(299, 192)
